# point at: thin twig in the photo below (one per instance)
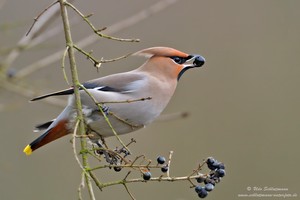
(126, 101)
(131, 166)
(136, 158)
(130, 194)
(81, 185)
(74, 146)
(63, 65)
(97, 31)
(169, 163)
(39, 15)
(97, 63)
(133, 126)
(172, 116)
(95, 179)
(127, 175)
(198, 169)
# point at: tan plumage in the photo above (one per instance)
(157, 78)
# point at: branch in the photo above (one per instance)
(195, 175)
(76, 85)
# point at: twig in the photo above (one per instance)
(153, 179)
(126, 101)
(172, 116)
(97, 31)
(169, 163)
(63, 65)
(39, 15)
(136, 158)
(74, 146)
(198, 169)
(128, 165)
(130, 194)
(95, 179)
(127, 175)
(81, 185)
(97, 63)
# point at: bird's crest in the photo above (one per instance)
(160, 51)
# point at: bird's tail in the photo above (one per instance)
(59, 130)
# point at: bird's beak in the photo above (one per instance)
(194, 61)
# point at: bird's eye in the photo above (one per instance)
(178, 60)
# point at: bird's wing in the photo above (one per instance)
(43, 126)
(121, 83)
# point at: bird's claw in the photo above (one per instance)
(105, 109)
(110, 159)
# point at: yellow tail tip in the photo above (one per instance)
(27, 150)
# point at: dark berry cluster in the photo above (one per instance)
(161, 161)
(164, 168)
(209, 181)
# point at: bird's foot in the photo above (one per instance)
(122, 151)
(110, 158)
(105, 109)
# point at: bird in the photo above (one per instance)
(131, 100)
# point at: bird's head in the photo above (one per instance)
(168, 61)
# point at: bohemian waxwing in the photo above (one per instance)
(156, 79)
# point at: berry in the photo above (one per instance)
(200, 179)
(210, 160)
(208, 180)
(215, 179)
(161, 160)
(198, 188)
(212, 164)
(164, 169)
(202, 193)
(100, 152)
(146, 176)
(209, 187)
(220, 173)
(117, 169)
(221, 166)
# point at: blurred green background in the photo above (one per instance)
(243, 104)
